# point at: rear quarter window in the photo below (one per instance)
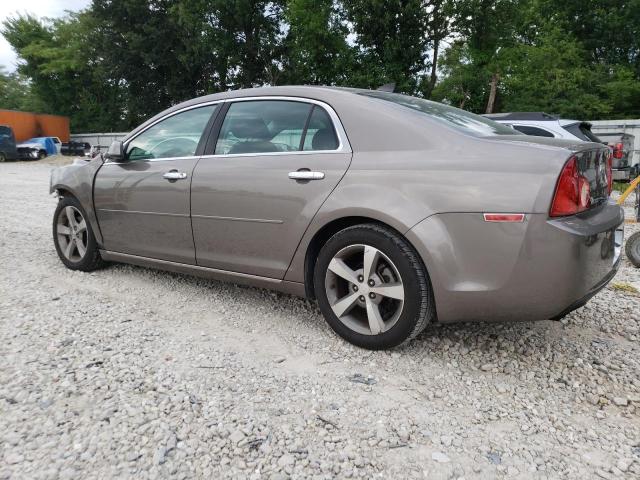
(461, 120)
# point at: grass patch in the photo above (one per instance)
(620, 186)
(625, 288)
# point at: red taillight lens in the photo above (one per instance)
(573, 194)
(618, 151)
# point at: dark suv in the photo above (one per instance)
(8, 150)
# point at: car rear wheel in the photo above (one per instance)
(3, 157)
(372, 287)
(632, 249)
(73, 237)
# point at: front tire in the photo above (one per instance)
(73, 237)
(372, 287)
(632, 249)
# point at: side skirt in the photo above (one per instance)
(292, 288)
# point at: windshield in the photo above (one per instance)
(451, 116)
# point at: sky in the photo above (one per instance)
(40, 8)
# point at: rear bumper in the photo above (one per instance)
(539, 269)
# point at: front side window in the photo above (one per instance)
(175, 136)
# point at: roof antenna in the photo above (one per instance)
(387, 87)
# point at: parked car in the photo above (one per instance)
(622, 146)
(80, 149)
(8, 150)
(394, 212)
(542, 124)
(31, 150)
(37, 148)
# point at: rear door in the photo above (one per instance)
(142, 203)
(274, 163)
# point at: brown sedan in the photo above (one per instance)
(392, 211)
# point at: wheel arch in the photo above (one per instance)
(326, 232)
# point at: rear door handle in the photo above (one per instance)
(306, 175)
(173, 175)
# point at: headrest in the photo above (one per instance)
(250, 127)
(324, 139)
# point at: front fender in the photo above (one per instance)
(77, 180)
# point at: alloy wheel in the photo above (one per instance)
(364, 289)
(71, 229)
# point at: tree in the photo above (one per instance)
(58, 59)
(392, 42)
(315, 47)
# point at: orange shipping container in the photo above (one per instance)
(27, 125)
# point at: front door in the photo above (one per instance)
(142, 203)
(275, 163)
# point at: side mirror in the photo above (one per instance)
(115, 152)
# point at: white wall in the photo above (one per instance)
(631, 127)
(101, 140)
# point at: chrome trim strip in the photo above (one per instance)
(237, 219)
(133, 162)
(144, 213)
(275, 154)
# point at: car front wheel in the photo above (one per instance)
(372, 287)
(73, 237)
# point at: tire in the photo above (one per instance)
(42, 154)
(402, 303)
(3, 157)
(632, 249)
(72, 255)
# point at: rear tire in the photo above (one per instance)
(3, 157)
(632, 249)
(73, 237)
(372, 287)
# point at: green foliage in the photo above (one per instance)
(121, 61)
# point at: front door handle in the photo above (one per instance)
(173, 175)
(306, 175)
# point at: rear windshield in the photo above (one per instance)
(451, 116)
(582, 131)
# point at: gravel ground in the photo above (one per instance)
(133, 373)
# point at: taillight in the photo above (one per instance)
(573, 194)
(618, 151)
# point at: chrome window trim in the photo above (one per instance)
(343, 142)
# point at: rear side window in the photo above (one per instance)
(538, 132)
(273, 126)
(583, 132)
(175, 136)
(320, 134)
(262, 126)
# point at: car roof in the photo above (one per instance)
(536, 116)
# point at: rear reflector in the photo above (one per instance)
(504, 217)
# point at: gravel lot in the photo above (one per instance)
(132, 373)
